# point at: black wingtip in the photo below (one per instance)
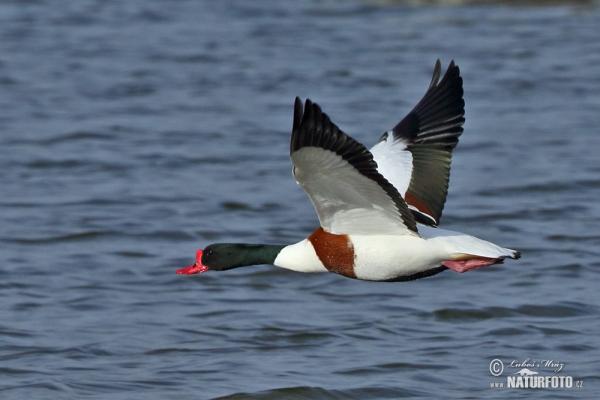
(298, 116)
(298, 112)
(437, 71)
(312, 127)
(453, 72)
(442, 107)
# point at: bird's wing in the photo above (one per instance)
(415, 156)
(341, 179)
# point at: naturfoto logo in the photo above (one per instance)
(525, 376)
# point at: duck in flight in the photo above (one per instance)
(378, 209)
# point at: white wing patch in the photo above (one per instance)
(394, 162)
(346, 201)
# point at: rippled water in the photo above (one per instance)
(133, 133)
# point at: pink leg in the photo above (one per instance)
(472, 263)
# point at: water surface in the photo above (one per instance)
(134, 133)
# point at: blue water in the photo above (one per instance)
(133, 133)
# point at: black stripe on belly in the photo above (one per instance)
(419, 275)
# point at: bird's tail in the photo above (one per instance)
(467, 252)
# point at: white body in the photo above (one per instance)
(383, 257)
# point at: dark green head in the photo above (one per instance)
(224, 256)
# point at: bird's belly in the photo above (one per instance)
(381, 258)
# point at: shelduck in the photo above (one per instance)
(378, 209)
